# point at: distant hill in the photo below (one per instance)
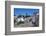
(25, 16)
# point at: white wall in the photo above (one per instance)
(2, 18)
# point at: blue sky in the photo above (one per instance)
(23, 11)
